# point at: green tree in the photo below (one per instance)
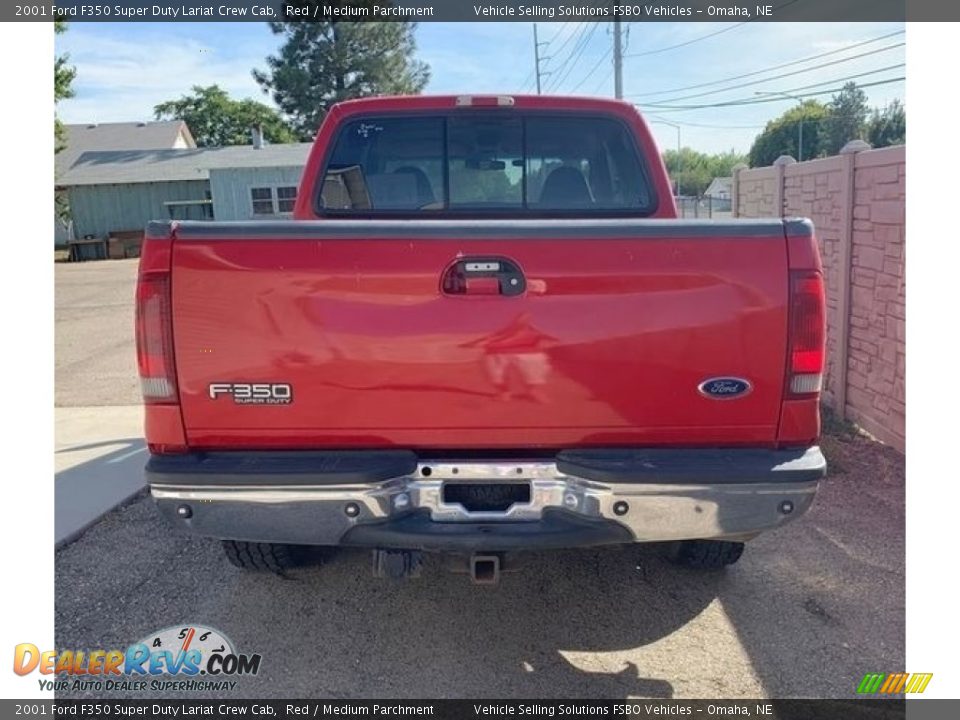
(321, 63)
(697, 170)
(781, 136)
(63, 77)
(215, 119)
(848, 118)
(888, 126)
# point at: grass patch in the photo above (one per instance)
(833, 425)
(837, 437)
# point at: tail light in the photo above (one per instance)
(807, 334)
(158, 380)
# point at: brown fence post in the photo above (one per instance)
(781, 165)
(735, 190)
(848, 152)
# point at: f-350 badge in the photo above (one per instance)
(253, 393)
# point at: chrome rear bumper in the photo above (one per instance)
(410, 512)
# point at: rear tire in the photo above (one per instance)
(706, 554)
(272, 557)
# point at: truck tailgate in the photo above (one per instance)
(619, 324)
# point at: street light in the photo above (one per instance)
(679, 160)
(799, 100)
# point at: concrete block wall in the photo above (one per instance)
(857, 203)
(814, 190)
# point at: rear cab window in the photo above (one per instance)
(480, 163)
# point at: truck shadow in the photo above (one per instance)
(563, 626)
(568, 624)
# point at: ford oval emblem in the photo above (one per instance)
(724, 388)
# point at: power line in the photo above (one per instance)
(806, 121)
(565, 42)
(578, 34)
(706, 125)
(783, 75)
(526, 82)
(603, 80)
(769, 69)
(689, 42)
(592, 70)
(563, 72)
(802, 87)
(757, 101)
(557, 33)
(708, 35)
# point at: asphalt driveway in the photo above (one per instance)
(93, 344)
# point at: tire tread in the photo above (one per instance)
(707, 554)
(260, 556)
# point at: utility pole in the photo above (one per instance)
(537, 58)
(617, 61)
(800, 122)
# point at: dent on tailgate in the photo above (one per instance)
(607, 346)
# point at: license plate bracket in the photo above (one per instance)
(486, 496)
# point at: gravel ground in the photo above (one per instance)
(805, 613)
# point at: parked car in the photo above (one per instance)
(485, 330)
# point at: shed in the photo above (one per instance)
(720, 188)
(117, 191)
(85, 137)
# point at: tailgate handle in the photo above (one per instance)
(483, 276)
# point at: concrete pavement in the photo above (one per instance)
(99, 457)
(99, 445)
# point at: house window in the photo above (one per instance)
(262, 198)
(286, 197)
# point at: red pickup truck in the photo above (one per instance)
(483, 330)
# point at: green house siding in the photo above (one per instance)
(231, 187)
(101, 209)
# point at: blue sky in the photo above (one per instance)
(124, 69)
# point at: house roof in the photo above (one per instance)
(719, 184)
(120, 136)
(143, 166)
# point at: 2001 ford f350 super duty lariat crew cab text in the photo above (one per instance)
(483, 330)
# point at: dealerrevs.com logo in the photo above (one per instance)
(178, 658)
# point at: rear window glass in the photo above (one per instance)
(479, 163)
